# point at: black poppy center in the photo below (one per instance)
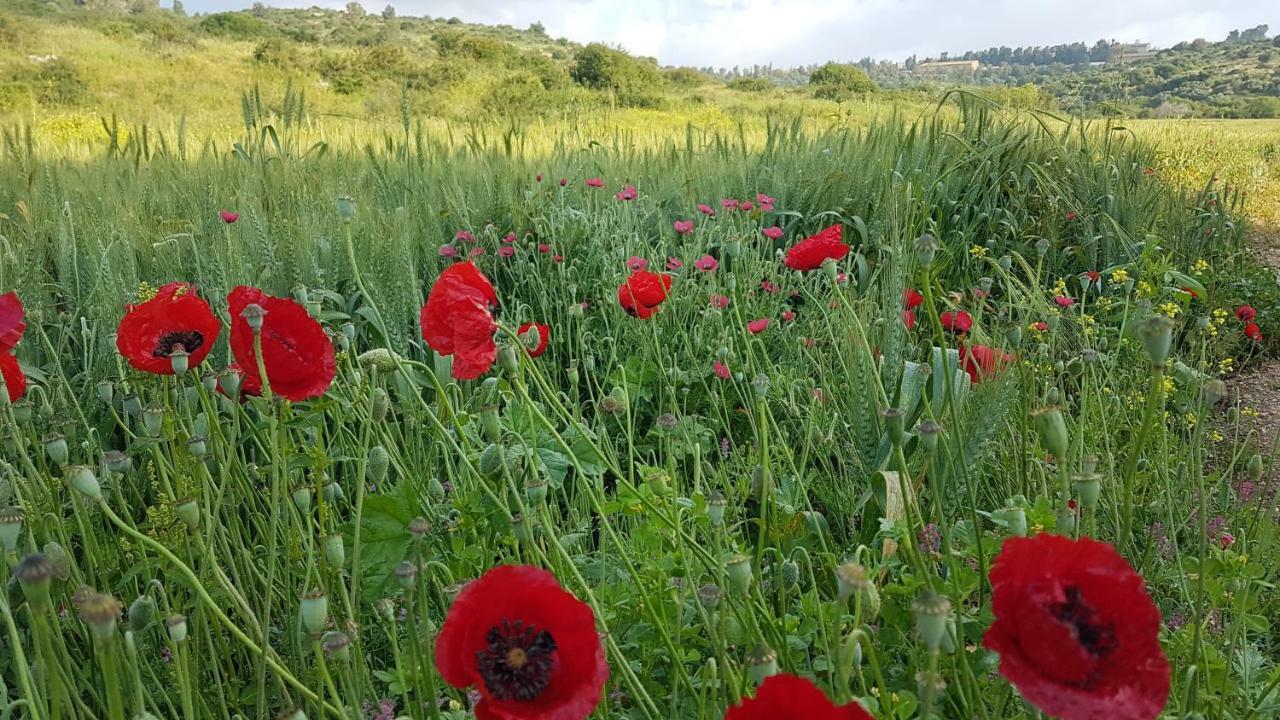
(1095, 635)
(188, 339)
(517, 661)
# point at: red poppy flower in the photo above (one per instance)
(12, 320)
(808, 254)
(296, 352)
(11, 378)
(1076, 631)
(788, 315)
(911, 299)
(176, 318)
(456, 320)
(684, 227)
(228, 217)
(757, 326)
(525, 644)
(909, 318)
(1064, 302)
(1244, 313)
(957, 321)
(1253, 332)
(643, 292)
(705, 209)
(1093, 275)
(1041, 326)
(536, 344)
(721, 370)
(982, 362)
(789, 697)
(706, 263)
(1071, 215)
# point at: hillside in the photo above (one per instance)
(62, 60)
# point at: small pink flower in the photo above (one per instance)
(674, 263)
(746, 206)
(842, 279)
(476, 252)
(448, 251)
(979, 293)
(538, 177)
(757, 326)
(788, 315)
(721, 370)
(1041, 326)
(506, 251)
(564, 181)
(1227, 540)
(595, 182)
(768, 287)
(773, 233)
(705, 209)
(720, 301)
(228, 217)
(684, 227)
(584, 304)
(557, 258)
(706, 263)
(464, 236)
(627, 193)
(635, 262)
(810, 342)
(766, 202)
(729, 204)
(509, 238)
(544, 248)
(1064, 301)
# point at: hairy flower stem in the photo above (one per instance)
(1129, 475)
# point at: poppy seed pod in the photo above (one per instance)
(254, 315)
(376, 464)
(419, 527)
(346, 207)
(380, 405)
(931, 611)
(716, 505)
(100, 611)
(82, 480)
(1015, 518)
(710, 595)
(131, 406)
(535, 490)
(1042, 247)
(117, 462)
(335, 552)
(179, 360)
(509, 360)
(189, 513)
(893, 422)
(175, 626)
(11, 521)
(762, 662)
(851, 578)
(738, 568)
(929, 431)
(302, 498)
(1213, 392)
(790, 573)
(1157, 336)
(1053, 430)
(314, 609)
(761, 384)
(197, 446)
(1089, 488)
(333, 493)
(337, 645)
(1254, 467)
(35, 572)
(406, 573)
(926, 248)
(106, 391)
(55, 446)
(153, 420)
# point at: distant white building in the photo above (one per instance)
(1132, 52)
(942, 67)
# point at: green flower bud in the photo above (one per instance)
(716, 505)
(1157, 336)
(189, 513)
(335, 552)
(175, 626)
(710, 595)
(35, 573)
(141, 612)
(55, 446)
(1254, 467)
(381, 405)
(11, 520)
(490, 424)
(302, 499)
(337, 645)
(1053, 430)
(926, 248)
(893, 422)
(376, 464)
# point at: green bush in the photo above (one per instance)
(635, 82)
(276, 52)
(749, 84)
(685, 77)
(234, 25)
(520, 94)
(58, 82)
(343, 73)
(839, 81)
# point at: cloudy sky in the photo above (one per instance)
(724, 33)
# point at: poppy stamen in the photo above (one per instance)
(1098, 638)
(517, 662)
(188, 340)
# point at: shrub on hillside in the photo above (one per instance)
(237, 25)
(840, 81)
(520, 94)
(58, 82)
(276, 52)
(685, 77)
(635, 82)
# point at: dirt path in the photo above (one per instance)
(1258, 386)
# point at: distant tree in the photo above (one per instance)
(453, 21)
(539, 29)
(837, 81)
(258, 9)
(1101, 51)
(178, 9)
(388, 12)
(601, 67)
(355, 10)
(1254, 34)
(1276, 42)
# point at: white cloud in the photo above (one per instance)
(790, 32)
